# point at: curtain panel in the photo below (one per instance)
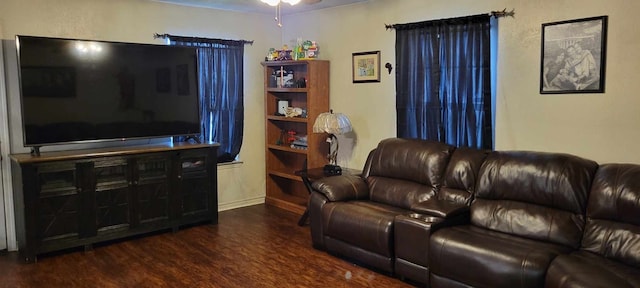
(220, 70)
(443, 81)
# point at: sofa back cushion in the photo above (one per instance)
(461, 175)
(536, 195)
(613, 214)
(402, 172)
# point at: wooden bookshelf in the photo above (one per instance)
(284, 189)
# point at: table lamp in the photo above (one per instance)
(333, 124)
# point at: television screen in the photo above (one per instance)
(80, 90)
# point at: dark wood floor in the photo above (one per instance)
(257, 246)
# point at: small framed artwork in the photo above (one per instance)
(281, 106)
(366, 67)
(52, 82)
(573, 56)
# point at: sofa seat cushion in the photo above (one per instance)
(365, 224)
(480, 257)
(586, 269)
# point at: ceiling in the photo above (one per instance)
(255, 6)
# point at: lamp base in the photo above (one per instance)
(332, 170)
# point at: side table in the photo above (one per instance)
(313, 174)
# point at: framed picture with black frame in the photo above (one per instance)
(366, 67)
(51, 82)
(573, 56)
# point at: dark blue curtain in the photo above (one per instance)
(443, 81)
(220, 68)
(418, 106)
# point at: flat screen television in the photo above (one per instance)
(75, 91)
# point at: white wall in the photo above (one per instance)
(137, 21)
(603, 127)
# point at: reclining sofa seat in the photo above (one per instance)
(610, 252)
(529, 207)
(353, 216)
(450, 206)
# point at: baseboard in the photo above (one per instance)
(240, 203)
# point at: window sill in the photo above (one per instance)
(230, 165)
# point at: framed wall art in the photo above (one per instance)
(52, 82)
(573, 56)
(366, 67)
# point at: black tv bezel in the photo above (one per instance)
(36, 146)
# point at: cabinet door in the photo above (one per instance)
(58, 202)
(112, 196)
(194, 183)
(151, 185)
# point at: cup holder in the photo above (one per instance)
(424, 218)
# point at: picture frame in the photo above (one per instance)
(281, 106)
(366, 67)
(50, 82)
(573, 56)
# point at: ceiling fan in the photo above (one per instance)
(278, 3)
(292, 2)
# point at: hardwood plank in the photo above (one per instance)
(257, 246)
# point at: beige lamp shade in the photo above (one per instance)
(332, 123)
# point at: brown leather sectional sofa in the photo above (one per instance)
(456, 217)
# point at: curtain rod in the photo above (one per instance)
(496, 14)
(206, 40)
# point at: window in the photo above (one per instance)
(443, 85)
(220, 68)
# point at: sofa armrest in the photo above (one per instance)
(342, 188)
(440, 208)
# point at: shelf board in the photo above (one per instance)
(287, 149)
(285, 175)
(284, 189)
(291, 62)
(290, 204)
(291, 90)
(287, 119)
